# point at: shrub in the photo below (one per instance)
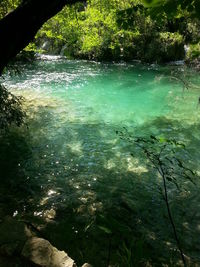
(193, 51)
(11, 111)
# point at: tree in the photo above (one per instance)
(18, 28)
(7, 6)
(173, 7)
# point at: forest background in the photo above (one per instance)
(115, 30)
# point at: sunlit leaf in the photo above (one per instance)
(105, 229)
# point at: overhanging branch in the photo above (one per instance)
(19, 27)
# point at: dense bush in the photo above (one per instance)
(118, 30)
(151, 31)
(11, 111)
(193, 51)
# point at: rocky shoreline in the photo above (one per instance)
(20, 246)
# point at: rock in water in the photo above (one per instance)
(40, 252)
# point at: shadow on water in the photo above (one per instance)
(89, 197)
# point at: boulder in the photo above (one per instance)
(40, 252)
(16, 240)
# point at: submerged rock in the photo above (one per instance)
(40, 252)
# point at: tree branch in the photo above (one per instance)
(19, 27)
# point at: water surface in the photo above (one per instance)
(70, 174)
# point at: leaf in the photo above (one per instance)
(162, 140)
(152, 3)
(105, 229)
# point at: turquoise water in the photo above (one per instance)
(75, 178)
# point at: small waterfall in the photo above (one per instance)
(62, 51)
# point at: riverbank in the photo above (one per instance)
(30, 56)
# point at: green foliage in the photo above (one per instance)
(148, 30)
(7, 5)
(11, 111)
(119, 30)
(193, 31)
(172, 37)
(173, 7)
(31, 48)
(172, 46)
(194, 51)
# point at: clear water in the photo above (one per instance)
(71, 175)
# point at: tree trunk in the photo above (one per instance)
(19, 27)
